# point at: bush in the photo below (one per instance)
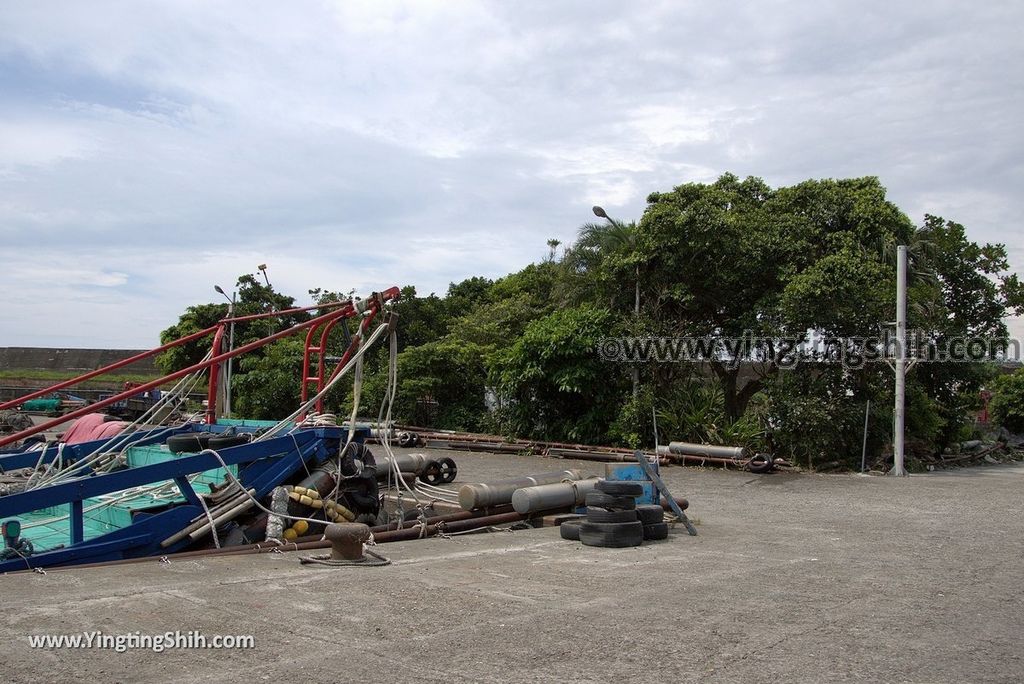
(1008, 401)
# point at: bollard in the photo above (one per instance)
(347, 540)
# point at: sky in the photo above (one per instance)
(152, 150)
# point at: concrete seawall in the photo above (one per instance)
(45, 358)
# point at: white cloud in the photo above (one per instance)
(151, 150)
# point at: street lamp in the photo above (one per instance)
(263, 270)
(601, 213)
(231, 346)
(270, 291)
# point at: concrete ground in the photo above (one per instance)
(793, 577)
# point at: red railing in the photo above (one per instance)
(372, 306)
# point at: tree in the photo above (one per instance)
(1008, 401)
(612, 245)
(552, 382)
(737, 259)
(254, 297)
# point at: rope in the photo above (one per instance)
(375, 561)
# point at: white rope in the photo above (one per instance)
(121, 440)
(327, 388)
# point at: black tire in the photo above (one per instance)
(599, 515)
(609, 502)
(356, 451)
(361, 493)
(612, 535)
(227, 441)
(650, 515)
(656, 531)
(449, 471)
(760, 463)
(407, 439)
(617, 488)
(190, 442)
(570, 529)
(432, 473)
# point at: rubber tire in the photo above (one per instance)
(612, 535)
(599, 515)
(190, 442)
(618, 488)
(609, 502)
(656, 531)
(760, 463)
(432, 473)
(227, 441)
(650, 514)
(361, 493)
(449, 471)
(570, 529)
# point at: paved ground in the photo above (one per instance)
(793, 578)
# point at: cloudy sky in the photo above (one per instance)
(149, 150)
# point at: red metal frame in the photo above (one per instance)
(106, 369)
(211, 392)
(371, 305)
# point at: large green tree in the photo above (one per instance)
(736, 258)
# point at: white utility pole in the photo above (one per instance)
(900, 361)
(224, 400)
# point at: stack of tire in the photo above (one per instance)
(614, 520)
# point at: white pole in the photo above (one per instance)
(231, 347)
(864, 447)
(900, 360)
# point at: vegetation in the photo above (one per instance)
(734, 262)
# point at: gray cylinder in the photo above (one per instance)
(687, 448)
(407, 463)
(551, 496)
(483, 495)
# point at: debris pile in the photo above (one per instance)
(1001, 447)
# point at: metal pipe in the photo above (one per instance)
(229, 514)
(407, 463)
(699, 460)
(203, 521)
(482, 495)
(211, 392)
(598, 456)
(231, 361)
(552, 496)
(451, 522)
(691, 449)
(682, 503)
(299, 309)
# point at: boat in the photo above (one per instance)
(113, 489)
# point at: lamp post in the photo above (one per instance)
(270, 302)
(231, 346)
(601, 213)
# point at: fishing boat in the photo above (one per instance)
(108, 489)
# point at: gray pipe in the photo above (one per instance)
(407, 463)
(551, 496)
(484, 495)
(689, 449)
